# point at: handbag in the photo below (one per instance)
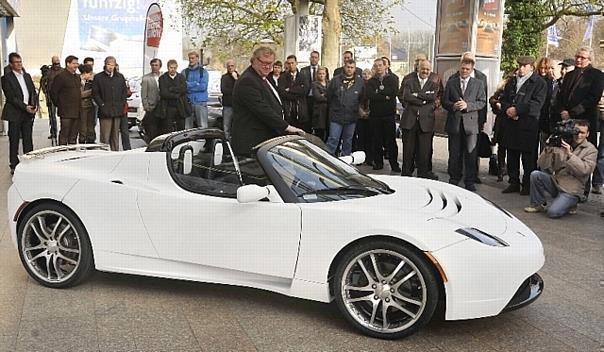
(484, 145)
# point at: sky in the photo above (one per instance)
(424, 9)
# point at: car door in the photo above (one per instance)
(192, 215)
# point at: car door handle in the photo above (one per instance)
(117, 181)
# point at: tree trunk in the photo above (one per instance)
(331, 34)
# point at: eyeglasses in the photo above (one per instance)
(17, 62)
(581, 57)
(264, 63)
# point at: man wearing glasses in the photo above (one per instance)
(579, 96)
(257, 110)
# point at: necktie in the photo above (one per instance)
(314, 73)
(463, 86)
(421, 84)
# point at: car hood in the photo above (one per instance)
(437, 201)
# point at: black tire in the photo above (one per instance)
(362, 300)
(58, 254)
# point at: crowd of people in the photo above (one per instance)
(351, 110)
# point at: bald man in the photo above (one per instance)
(227, 83)
(46, 85)
(417, 122)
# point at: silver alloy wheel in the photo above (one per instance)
(383, 291)
(51, 246)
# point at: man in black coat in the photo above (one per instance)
(578, 98)
(381, 92)
(463, 99)
(20, 108)
(523, 97)
(309, 74)
(419, 95)
(67, 95)
(227, 83)
(174, 105)
(109, 92)
(257, 111)
(293, 92)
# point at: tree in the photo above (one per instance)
(528, 19)
(246, 23)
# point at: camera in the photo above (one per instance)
(44, 69)
(563, 131)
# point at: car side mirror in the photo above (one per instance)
(218, 153)
(251, 193)
(187, 162)
(356, 158)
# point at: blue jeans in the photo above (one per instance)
(542, 182)
(338, 131)
(227, 120)
(199, 117)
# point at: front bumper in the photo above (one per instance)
(527, 293)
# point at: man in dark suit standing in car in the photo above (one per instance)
(463, 99)
(20, 108)
(257, 110)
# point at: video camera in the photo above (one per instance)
(44, 69)
(563, 131)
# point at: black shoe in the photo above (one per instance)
(478, 181)
(378, 166)
(525, 191)
(453, 182)
(512, 188)
(394, 167)
(471, 188)
(12, 170)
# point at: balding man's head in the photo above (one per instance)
(418, 59)
(424, 68)
(55, 60)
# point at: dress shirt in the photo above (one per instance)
(21, 79)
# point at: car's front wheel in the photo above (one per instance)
(54, 246)
(385, 290)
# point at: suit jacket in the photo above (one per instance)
(522, 134)
(482, 114)
(433, 77)
(475, 97)
(257, 113)
(14, 109)
(149, 92)
(66, 93)
(174, 91)
(293, 93)
(419, 103)
(579, 95)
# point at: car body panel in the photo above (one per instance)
(140, 221)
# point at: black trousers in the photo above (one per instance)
(19, 130)
(462, 155)
(528, 166)
(383, 134)
(417, 150)
(362, 139)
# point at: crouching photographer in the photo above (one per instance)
(566, 163)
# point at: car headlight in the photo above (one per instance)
(482, 237)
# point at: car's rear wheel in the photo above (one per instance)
(385, 290)
(54, 246)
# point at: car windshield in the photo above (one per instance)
(313, 175)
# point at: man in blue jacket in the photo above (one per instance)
(197, 91)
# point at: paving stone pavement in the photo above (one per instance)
(113, 312)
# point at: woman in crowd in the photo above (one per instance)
(363, 133)
(319, 115)
(545, 67)
(498, 132)
(87, 118)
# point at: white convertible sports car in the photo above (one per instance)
(390, 250)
